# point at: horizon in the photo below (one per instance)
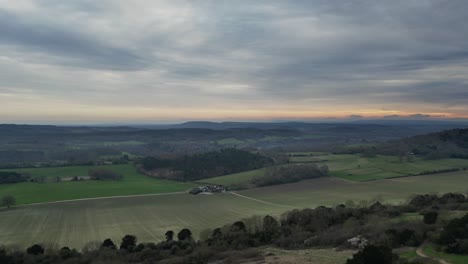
(331, 120)
(176, 61)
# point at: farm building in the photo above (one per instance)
(212, 188)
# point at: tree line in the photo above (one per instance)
(446, 144)
(13, 177)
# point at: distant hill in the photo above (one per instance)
(446, 144)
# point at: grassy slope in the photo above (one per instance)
(133, 183)
(75, 223)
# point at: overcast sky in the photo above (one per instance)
(163, 61)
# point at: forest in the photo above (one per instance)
(205, 165)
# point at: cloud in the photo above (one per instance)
(263, 58)
(413, 116)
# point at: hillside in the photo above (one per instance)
(451, 143)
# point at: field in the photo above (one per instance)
(148, 217)
(132, 183)
(351, 167)
(358, 168)
(236, 178)
(332, 191)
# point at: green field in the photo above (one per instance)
(358, 168)
(351, 167)
(451, 258)
(132, 183)
(148, 217)
(430, 251)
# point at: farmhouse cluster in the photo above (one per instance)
(212, 188)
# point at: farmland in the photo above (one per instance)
(76, 223)
(132, 183)
(332, 191)
(352, 167)
(148, 217)
(359, 168)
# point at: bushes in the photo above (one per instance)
(430, 217)
(426, 200)
(454, 237)
(373, 255)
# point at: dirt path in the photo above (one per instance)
(101, 198)
(420, 253)
(260, 201)
(143, 195)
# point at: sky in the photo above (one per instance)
(169, 61)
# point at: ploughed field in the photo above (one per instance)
(149, 217)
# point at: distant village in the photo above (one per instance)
(212, 188)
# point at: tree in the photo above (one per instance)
(35, 250)
(128, 242)
(184, 234)
(66, 252)
(217, 234)
(169, 235)
(8, 201)
(238, 226)
(430, 217)
(270, 228)
(108, 243)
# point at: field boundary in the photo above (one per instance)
(261, 201)
(102, 198)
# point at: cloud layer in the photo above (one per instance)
(181, 60)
